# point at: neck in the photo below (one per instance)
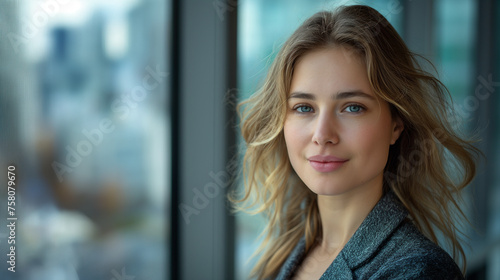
(341, 215)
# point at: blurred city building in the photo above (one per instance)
(86, 124)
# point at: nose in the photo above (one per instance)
(325, 131)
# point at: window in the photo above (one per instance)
(86, 86)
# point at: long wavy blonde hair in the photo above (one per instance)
(418, 168)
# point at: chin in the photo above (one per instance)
(328, 190)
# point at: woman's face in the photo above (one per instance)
(337, 131)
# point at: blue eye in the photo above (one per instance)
(303, 109)
(354, 108)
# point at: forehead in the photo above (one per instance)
(342, 53)
(330, 69)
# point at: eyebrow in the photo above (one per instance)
(339, 95)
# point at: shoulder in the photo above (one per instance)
(388, 245)
(408, 254)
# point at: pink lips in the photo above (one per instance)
(326, 163)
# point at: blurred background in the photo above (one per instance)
(84, 119)
(119, 118)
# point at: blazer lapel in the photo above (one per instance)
(293, 261)
(384, 218)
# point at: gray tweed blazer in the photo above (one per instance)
(386, 246)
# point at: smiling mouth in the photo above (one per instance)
(326, 166)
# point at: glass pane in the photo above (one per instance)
(454, 35)
(457, 40)
(83, 95)
(494, 227)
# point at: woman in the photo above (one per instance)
(349, 153)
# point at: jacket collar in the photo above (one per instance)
(384, 218)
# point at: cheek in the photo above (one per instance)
(288, 132)
(373, 142)
(295, 136)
